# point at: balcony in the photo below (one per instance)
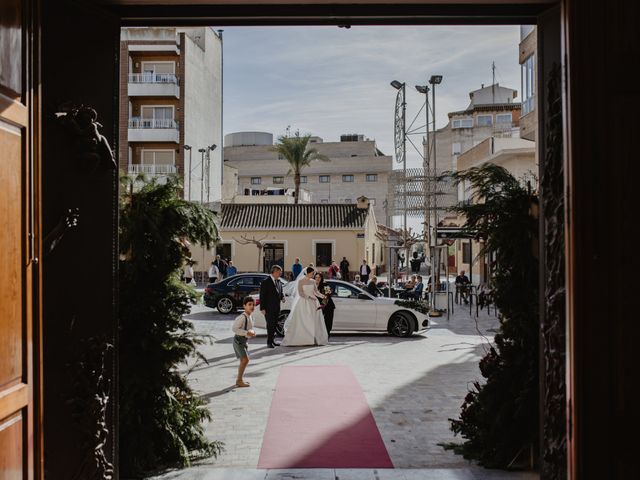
(153, 85)
(136, 169)
(153, 130)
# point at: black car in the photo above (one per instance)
(227, 294)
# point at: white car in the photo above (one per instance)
(357, 310)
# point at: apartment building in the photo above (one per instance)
(527, 58)
(171, 106)
(356, 168)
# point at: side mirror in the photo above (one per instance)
(363, 296)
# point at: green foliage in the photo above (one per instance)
(160, 415)
(295, 150)
(499, 418)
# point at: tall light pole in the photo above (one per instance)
(188, 149)
(210, 148)
(202, 152)
(424, 89)
(435, 268)
(400, 136)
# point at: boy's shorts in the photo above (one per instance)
(240, 346)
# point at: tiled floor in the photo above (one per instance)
(413, 387)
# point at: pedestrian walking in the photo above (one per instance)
(214, 273)
(243, 331)
(344, 268)
(187, 272)
(365, 270)
(296, 268)
(231, 269)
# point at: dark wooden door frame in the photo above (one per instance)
(597, 365)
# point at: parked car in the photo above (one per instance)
(357, 310)
(227, 294)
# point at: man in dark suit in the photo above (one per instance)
(365, 270)
(270, 299)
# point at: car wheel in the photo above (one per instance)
(400, 325)
(280, 325)
(225, 304)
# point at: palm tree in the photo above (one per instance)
(295, 149)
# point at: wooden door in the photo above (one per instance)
(17, 245)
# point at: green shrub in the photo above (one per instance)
(161, 417)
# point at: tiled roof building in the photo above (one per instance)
(319, 216)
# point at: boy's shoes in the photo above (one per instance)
(276, 344)
(271, 345)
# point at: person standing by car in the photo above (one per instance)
(296, 268)
(334, 271)
(271, 297)
(214, 273)
(344, 268)
(372, 287)
(365, 270)
(231, 269)
(326, 303)
(357, 282)
(221, 266)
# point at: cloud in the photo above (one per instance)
(328, 81)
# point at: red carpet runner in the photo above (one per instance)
(320, 418)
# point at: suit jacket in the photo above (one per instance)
(269, 297)
(373, 289)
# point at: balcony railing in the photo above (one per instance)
(136, 168)
(153, 78)
(153, 123)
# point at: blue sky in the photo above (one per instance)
(328, 81)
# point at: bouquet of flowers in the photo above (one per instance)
(326, 291)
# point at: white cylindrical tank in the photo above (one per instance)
(247, 139)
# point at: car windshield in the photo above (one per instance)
(344, 290)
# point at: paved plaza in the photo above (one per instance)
(413, 386)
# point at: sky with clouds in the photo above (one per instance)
(329, 81)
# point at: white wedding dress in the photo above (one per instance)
(305, 324)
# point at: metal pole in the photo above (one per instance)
(404, 166)
(436, 267)
(189, 189)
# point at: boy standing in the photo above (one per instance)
(243, 330)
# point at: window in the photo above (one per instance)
(324, 252)
(324, 200)
(256, 180)
(484, 120)
(224, 250)
(373, 253)
(372, 202)
(278, 179)
(466, 253)
(157, 161)
(456, 148)
(158, 67)
(372, 177)
(324, 178)
(347, 178)
(157, 117)
(347, 200)
(503, 118)
(528, 84)
(343, 291)
(462, 123)
(303, 179)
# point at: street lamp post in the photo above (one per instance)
(400, 131)
(424, 89)
(202, 152)
(210, 148)
(435, 266)
(188, 149)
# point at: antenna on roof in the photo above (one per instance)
(493, 81)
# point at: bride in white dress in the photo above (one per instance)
(305, 323)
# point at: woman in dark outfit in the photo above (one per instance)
(328, 307)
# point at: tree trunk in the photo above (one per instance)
(296, 182)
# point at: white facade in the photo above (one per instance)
(203, 113)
